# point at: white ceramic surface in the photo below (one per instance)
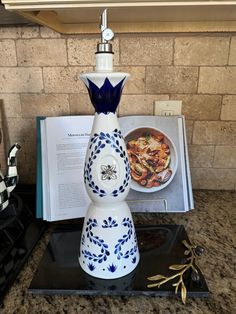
(98, 78)
(108, 248)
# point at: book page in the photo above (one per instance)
(67, 140)
(64, 143)
(189, 181)
(45, 174)
(183, 164)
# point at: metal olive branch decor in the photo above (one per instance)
(192, 253)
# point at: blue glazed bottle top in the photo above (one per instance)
(106, 98)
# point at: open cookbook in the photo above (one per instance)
(158, 156)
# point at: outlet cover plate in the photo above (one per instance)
(167, 107)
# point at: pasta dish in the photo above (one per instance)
(149, 158)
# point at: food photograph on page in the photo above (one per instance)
(152, 157)
(158, 157)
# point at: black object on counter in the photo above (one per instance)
(160, 246)
(19, 233)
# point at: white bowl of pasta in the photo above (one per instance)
(153, 159)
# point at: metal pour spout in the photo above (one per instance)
(103, 25)
(106, 35)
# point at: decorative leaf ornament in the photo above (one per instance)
(192, 253)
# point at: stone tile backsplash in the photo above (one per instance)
(39, 75)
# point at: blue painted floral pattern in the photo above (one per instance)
(103, 256)
(112, 268)
(98, 142)
(134, 260)
(109, 223)
(91, 266)
(82, 239)
(92, 223)
(108, 172)
(118, 247)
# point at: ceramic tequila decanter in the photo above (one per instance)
(108, 246)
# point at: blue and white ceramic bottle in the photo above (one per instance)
(108, 246)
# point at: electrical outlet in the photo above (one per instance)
(167, 107)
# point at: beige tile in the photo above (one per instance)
(4, 141)
(200, 107)
(81, 51)
(213, 179)
(81, 104)
(225, 157)
(232, 53)
(228, 111)
(201, 156)
(27, 163)
(7, 52)
(20, 80)
(214, 132)
(10, 31)
(201, 50)
(20, 160)
(46, 32)
(136, 82)
(44, 105)
(146, 50)
(64, 79)
(21, 130)
(139, 104)
(168, 79)
(10, 106)
(29, 31)
(217, 80)
(189, 130)
(41, 52)
(3, 162)
(27, 171)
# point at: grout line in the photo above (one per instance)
(68, 102)
(67, 50)
(230, 40)
(221, 108)
(191, 139)
(119, 46)
(198, 78)
(17, 64)
(173, 53)
(213, 160)
(21, 112)
(44, 86)
(145, 81)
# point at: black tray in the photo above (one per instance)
(160, 246)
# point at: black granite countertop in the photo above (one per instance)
(212, 224)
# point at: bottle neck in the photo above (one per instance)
(105, 122)
(104, 62)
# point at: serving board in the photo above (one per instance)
(59, 272)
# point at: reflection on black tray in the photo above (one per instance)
(160, 246)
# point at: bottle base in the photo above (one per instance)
(108, 248)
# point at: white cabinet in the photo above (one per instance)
(82, 16)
